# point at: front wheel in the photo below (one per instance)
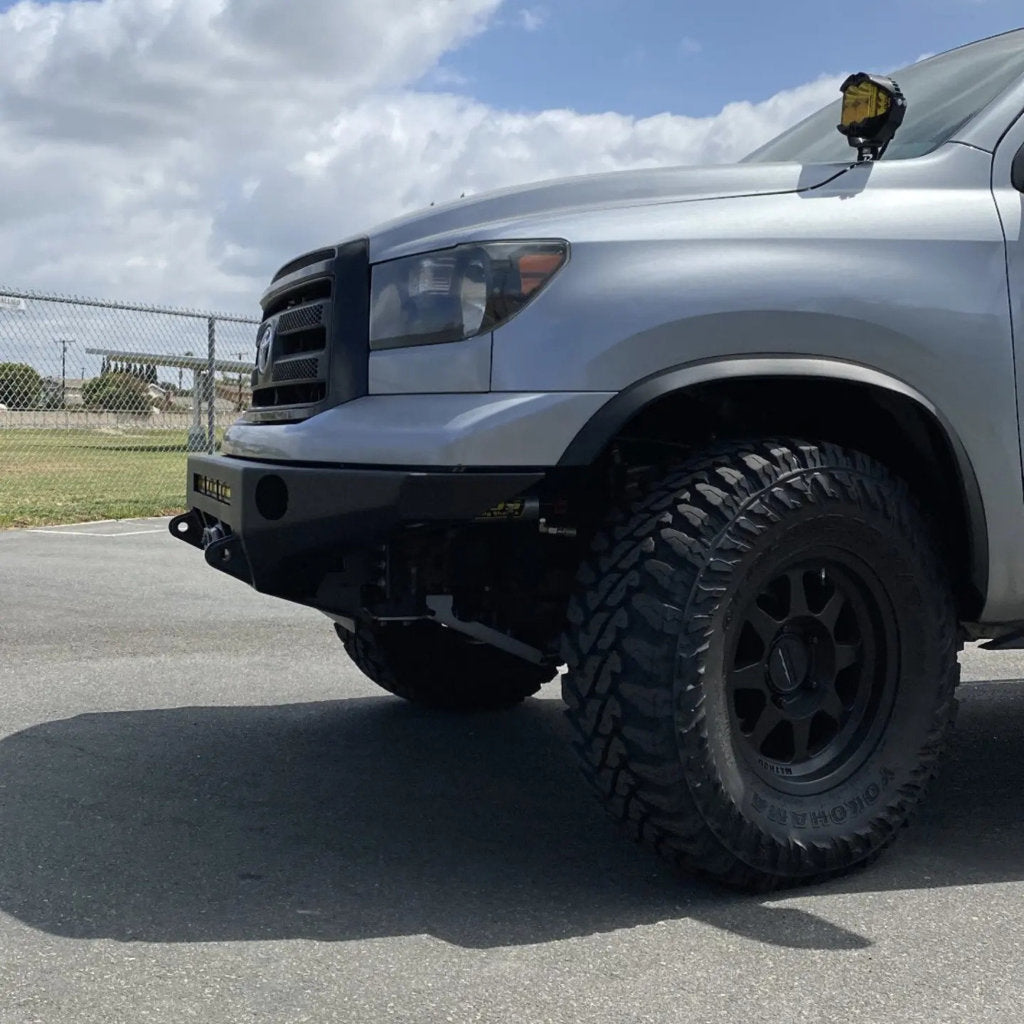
(428, 664)
(762, 658)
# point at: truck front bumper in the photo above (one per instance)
(282, 528)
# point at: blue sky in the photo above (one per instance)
(646, 56)
(642, 57)
(180, 150)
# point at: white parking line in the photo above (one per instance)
(133, 527)
(83, 533)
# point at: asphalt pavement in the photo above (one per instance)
(207, 813)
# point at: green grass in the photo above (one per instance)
(71, 476)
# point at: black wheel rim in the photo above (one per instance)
(812, 671)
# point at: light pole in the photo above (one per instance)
(196, 434)
(179, 373)
(63, 342)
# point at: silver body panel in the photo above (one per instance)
(504, 214)
(907, 274)
(428, 431)
(462, 366)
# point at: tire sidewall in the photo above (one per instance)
(758, 818)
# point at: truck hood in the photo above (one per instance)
(499, 214)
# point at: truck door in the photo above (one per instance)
(1008, 189)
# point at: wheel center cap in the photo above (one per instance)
(789, 664)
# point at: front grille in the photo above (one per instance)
(301, 328)
(296, 319)
(296, 369)
(289, 394)
(320, 256)
(325, 318)
(313, 340)
(299, 295)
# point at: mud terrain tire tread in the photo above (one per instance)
(640, 627)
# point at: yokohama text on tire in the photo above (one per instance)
(762, 659)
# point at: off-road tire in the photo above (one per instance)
(674, 592)
(430, 665)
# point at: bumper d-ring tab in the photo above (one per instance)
(189, 527)
(228, 555)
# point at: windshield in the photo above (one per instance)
(943, 93)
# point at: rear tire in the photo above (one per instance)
(762, 659)
(431, 665)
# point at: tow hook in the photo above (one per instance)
(212, 534)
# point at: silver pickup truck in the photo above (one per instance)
(739, 446)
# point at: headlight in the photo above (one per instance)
(457, 293)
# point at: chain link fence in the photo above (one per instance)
(100, 402)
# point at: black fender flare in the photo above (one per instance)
(605, 424)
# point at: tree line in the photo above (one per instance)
(120, 387)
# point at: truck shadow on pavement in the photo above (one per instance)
(366, 818)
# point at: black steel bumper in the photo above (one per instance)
(283, 528)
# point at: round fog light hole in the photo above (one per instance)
(272, 497)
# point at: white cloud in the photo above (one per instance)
(445, 78)
(180, 150)
(689, 46)
(532, 18)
